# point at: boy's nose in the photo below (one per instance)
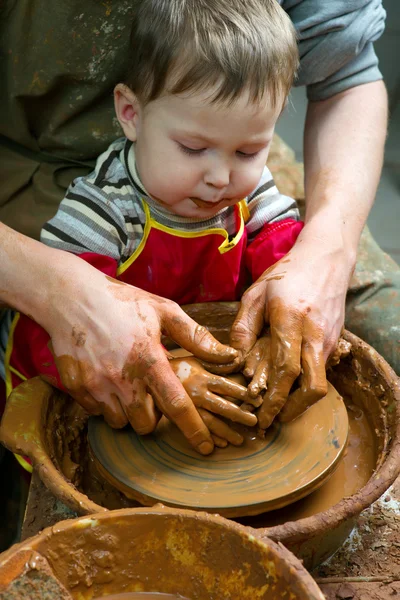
(218, 177)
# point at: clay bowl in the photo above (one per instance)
(196, 555)
(47, 426)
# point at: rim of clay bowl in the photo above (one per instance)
(281, 554)
(382, 478)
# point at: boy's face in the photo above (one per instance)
(196, 158)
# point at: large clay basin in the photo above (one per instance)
(196, 555)
(47, 426)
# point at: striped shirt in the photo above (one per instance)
(103, 213)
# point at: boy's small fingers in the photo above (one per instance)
(219, 442)
(226, 409)
(220, 429)
(174, 403)
(226, 387)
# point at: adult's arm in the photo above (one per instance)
(302, 297)
(106, 336)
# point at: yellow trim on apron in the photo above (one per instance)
(24, 463)
(152, 224)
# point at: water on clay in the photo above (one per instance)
(142, 596)
(352, 473)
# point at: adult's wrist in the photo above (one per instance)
(327, 235)
(28, 270)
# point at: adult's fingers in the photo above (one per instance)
(254, 358)
(105, 403)
(313, 384)
(257, 366)
(194, 337)
(259, 381)
(104, 400)
(220, 429)
(174, 403)
(140, 409)
(249, 321)
(226, 409)
(286, 339)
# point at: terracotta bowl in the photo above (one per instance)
(196, 555)
(46, 425)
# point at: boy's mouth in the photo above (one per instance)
(206, 204)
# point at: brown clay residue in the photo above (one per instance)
(79, 337)
(143, 596)
(261, 474)
(183, 553)
(362, 377)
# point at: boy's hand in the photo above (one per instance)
(302, 299)
(206, 391)
(106, 341)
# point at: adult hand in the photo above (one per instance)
(302, 299)
(206, 391)
(106, 341)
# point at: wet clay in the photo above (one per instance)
(37, 422)
(142, 596)
(183, 553)
(352, 473)
(262, 474)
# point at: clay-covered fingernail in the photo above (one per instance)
(248, 372)
(205, 448)
(253, 390)
(229, 351)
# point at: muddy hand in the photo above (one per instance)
(106, 337)
(207, 391)
(301, 399)
(305, 315)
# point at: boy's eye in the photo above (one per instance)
(248, 155)
(191, 151)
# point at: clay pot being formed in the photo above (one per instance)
(47, 426)
(196, 555)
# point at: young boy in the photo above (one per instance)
(183, 206)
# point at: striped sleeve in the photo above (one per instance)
(99, 214)
(267, 205)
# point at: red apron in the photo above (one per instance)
(183, 266)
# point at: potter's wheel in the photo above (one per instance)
(262, 475)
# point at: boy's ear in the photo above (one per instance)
(127, 109)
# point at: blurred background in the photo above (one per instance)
(384, 219)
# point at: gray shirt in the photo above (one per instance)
(336, 43)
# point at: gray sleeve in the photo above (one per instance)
(336, 43)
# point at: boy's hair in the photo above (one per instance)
(183, 46)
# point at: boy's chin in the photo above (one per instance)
(188, 209)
